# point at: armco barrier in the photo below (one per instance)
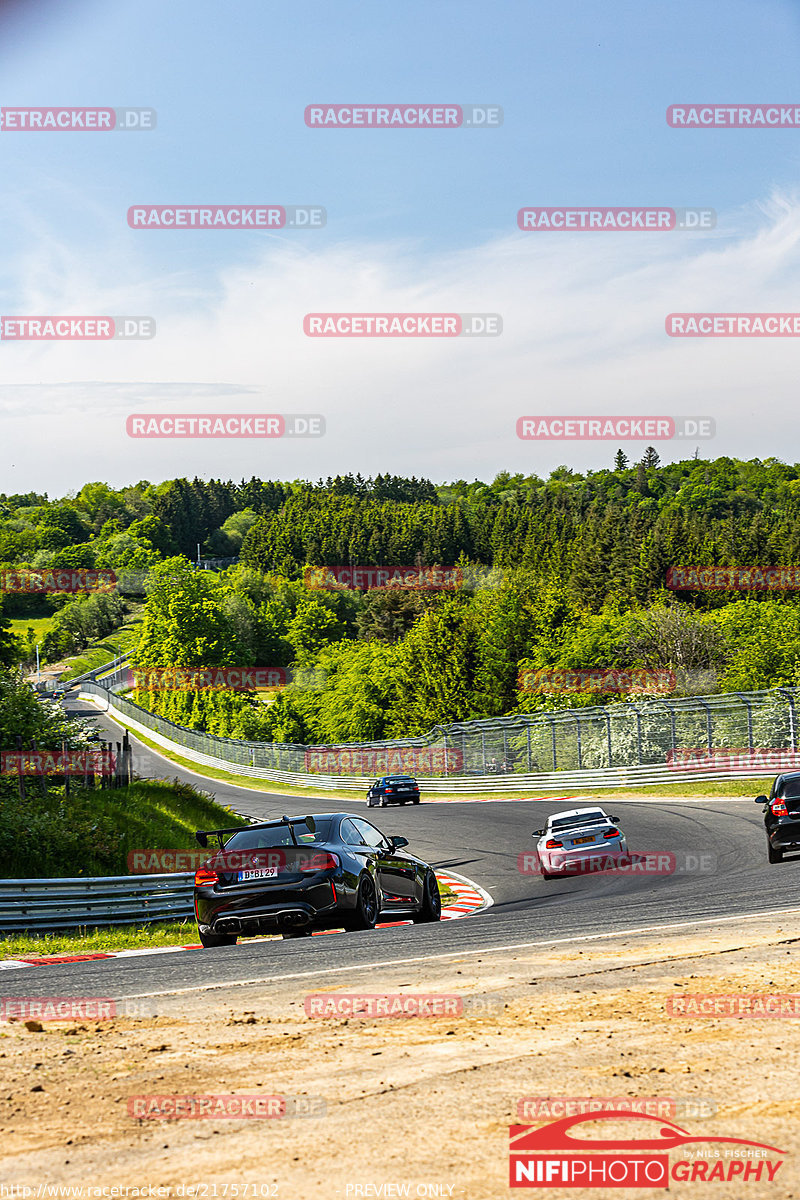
(640, 776)
(45, 904)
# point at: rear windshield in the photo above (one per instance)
(399, 779)
(790, 790)
(279, 835)
(589, 818)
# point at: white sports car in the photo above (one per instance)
(574, 840)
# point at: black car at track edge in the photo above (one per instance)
(782, 815)
(298, 874)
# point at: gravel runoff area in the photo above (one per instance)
(396, 1105)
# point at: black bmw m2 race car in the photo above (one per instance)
(298, 874)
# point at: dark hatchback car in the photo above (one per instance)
(393, 789)
(782, 815)
(298, 874)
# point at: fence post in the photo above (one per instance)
(127, 755)
(748, 706)
(792, 721)
(42, 777)
(66, 776)
(709, 725)
(552, 721)
(21, 776)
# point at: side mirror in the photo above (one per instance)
(397, 843)
(616, 820)
(201, 837)
(761, 800)
(538, 833)
(311, 824)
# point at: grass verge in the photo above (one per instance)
(98, 941)
(39, 625)
(93, 831)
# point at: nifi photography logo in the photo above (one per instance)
(558, 1155)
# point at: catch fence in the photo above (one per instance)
(652, 733)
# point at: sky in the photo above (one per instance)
(417, 221)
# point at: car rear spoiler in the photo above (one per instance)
(202, 835)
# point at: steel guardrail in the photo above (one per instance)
(69, 903)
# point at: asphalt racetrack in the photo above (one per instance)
(722, 873)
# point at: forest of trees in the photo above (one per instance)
(566, 572)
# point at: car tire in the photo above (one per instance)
(774, 856)
(431, 901)
(415, 801)
(384, 802)
(207, 940)
(365, 914)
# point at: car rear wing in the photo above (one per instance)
(202, 835)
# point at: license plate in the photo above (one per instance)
(582, 841)
(258, 873)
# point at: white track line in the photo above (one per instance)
(402, 962)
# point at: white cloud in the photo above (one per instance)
(583, 334)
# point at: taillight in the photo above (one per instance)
(779, 808)
(204, 878)
(323, 861)
(612, 833)
(389, 791)
(553, 845)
